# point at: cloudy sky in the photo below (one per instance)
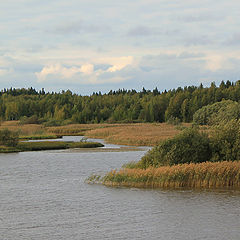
(98, 45)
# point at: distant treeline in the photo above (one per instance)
(32, 106)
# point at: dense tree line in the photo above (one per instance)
(30, 105)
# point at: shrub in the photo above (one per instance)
(52, 123)
(217, 112)
(173, 120)
(225, 141)
(29, 120)
(189, 146)
(8, 138)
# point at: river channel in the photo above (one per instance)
(43, 195)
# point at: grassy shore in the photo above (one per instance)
(39, 137)
(202, 175)
(48, 145)
(133, 134)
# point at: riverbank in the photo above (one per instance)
(131, 134)
(202, 175)
(48, 145)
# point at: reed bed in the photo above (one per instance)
(136, 134)
(202, 175)
(77, 129)
(23, 130)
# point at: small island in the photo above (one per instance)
(10, 142)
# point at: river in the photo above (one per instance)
(43, 195)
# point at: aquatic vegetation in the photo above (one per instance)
(194, 175)
(53, 145)
(84, 144)
(45, 145)
(5, 149)
(38, 137)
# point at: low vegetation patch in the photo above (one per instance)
(52, 145)
(38, 146)
(84, 145)
(8, 138)
(5, 149)
(194, 175)
(39, 137)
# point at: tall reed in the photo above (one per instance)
(201, 175)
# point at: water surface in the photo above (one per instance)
(43, 196)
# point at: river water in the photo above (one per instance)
(43, 195)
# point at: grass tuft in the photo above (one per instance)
(202, 175)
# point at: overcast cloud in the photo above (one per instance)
(94, 45)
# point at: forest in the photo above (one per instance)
(52, 109)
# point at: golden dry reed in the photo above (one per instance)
(202, 175)
(136, 134)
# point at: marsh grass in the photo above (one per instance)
(136, 134)
(202, 175)
(26, 130)
(5, 149)
(54, 145)
(38, 137)
(84, 145)
(45, 145)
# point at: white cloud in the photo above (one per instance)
(52, 42)
(119, 63)
(86, 73)
(87, 69)
(63, 72)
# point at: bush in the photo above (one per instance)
(225, 141)
(8, 138)
(189, 146)
(173, 120)
(53, 123)
(217, 112)
(29, 120)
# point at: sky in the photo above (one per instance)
(88, 46)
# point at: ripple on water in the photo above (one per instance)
(44, 196)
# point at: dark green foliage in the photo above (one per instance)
(213, 114)
(8, 138)
(225, 141)
(31, 106)
(189, 146)
(226, 114)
